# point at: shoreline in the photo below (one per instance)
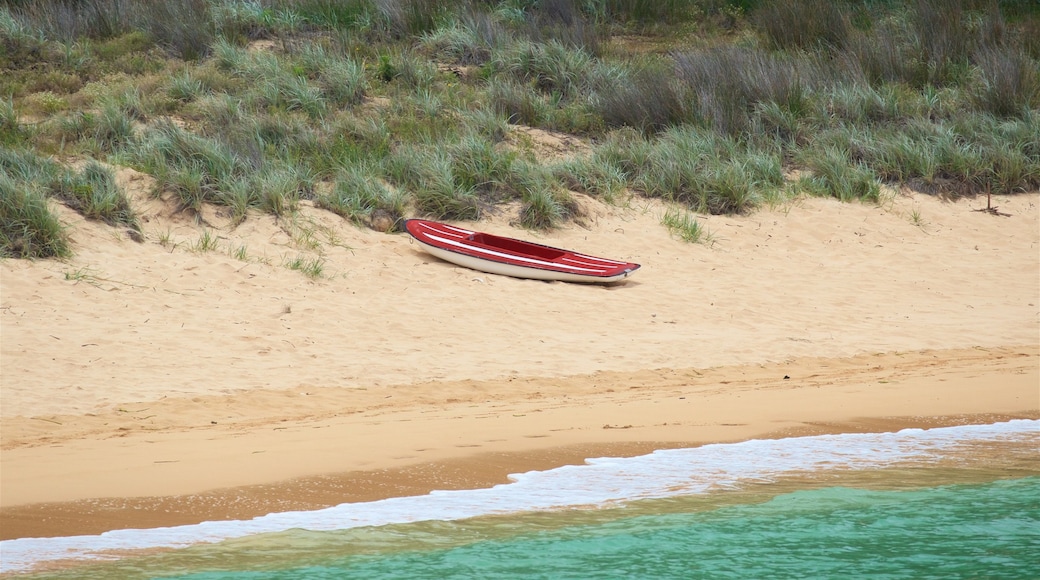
(1000, 453)
(296, 459)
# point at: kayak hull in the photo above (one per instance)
(513, 257)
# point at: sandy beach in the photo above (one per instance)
(148, 384)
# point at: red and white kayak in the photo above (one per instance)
(512, 257)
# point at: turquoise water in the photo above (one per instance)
(962, 531)
(956, 503)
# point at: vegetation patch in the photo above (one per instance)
(380, 109)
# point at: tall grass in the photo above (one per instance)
(942, 38)
(704, 171)
(469, 42)
(194, 168)
(835, 174)
(1009, 82)
(544, 204)
(545, 207)
(410, 18)
(648, 97)
(11, 131)
(594, 175)
(183, 27)
(93, 192)
(340, 15)
(361, 196)
(938, 95)
(725, 84)
(803, 24)
(551, 68)
(311, 81)
(429, 175)
(478, 166)
(28, 229)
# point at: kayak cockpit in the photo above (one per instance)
(517, 247)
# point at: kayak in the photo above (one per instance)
(513, 257)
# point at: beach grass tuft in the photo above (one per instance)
(28, 227)
(207, 242)
(685, 225)
(313, 267)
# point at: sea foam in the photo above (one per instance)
(598, 482)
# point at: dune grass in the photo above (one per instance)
(28, 228)
(378, 109)
(685, 226)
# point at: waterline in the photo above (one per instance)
(601, 482)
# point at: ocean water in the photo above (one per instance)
(956, 502)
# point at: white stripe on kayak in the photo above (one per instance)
(464, 233)
(589, 261)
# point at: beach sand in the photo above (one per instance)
(148, 384)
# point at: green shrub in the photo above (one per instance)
(593, 175)
(339, 15)
(114, 126)
(518, 102)
(343, 82)
(544, 207)
(285, 83)
(281, 187)
(405, 67)
(707, 172)
(21, 45)
(480, 167)
(430, 176)
(24, 165)
(550, 67)
(781, 125)
(194, 168)
(243, 19)
(93, 192)
(28, 229)
(464, 43)
(835, 175)
(361, 196)
(864, 105)
(486, 123)
(185, 87)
